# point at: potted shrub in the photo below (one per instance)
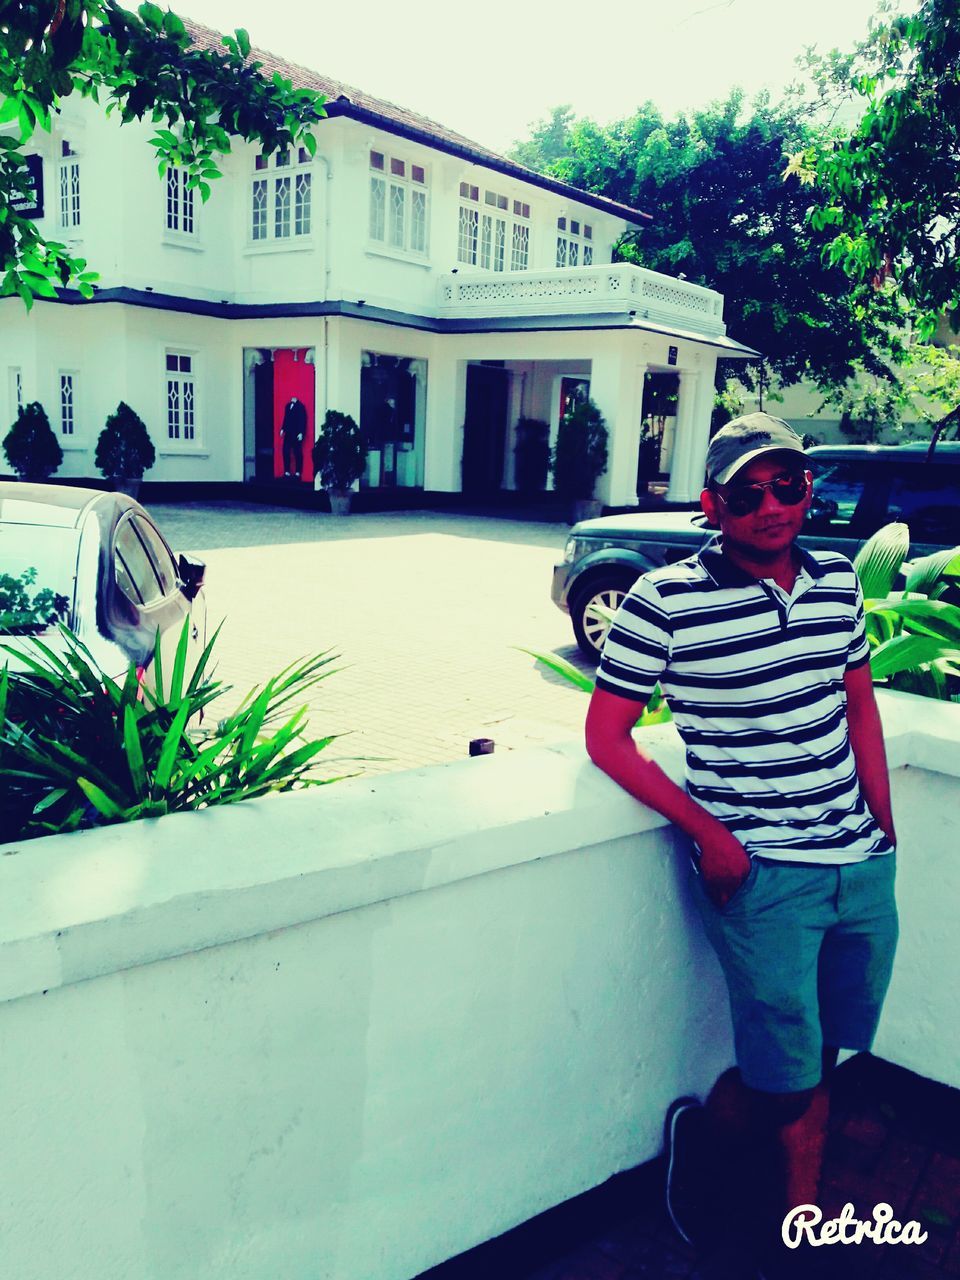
(30, 446)
(532, 455)
(125, 450)
(339, 458)
(579, 458)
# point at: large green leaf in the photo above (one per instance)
(905, 652)
(561, 667)
(929, 575)
(879, 559)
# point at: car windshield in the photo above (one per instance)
(38, 568)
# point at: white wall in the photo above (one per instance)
(356, 1031)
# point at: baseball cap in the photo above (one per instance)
(744, 439)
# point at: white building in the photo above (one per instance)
(432, 289)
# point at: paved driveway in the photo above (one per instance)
(423, 609)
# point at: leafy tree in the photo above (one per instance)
(888, 193)
(124, 448)
(723, 217)
(30, 447)
(580, 454)
(548, 142)
(142, 64)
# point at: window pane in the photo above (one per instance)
(259, 210)
(927, 499)
(418, 221)
(283, 159)
(397, 215)
(418, 173)
(187, 205)
(520, 247)
(173, 362)
(159, 555)
(303, 155)
(587, 232)
(135, 573)
(66, 404)
(376, 159)
(173, 408)
(261, 161)
(281, 207)
(587, 255)
(574, 228)
(378, 198)
(500, 244)
(561, 224)
(574, 253)
(302, 205)
(398, 168)
(173, 200)
(486, 241)
(189, 423)
(467, 237)
(561, 251)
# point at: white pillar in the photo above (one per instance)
(701, 433)
(687, 405)
(446, 402)
(616, 388)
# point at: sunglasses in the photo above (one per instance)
(744, 499)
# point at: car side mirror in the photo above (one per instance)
(191, 574)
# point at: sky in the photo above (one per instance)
(489, 70)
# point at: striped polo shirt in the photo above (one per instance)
(754, 678)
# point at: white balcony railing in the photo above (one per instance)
(617, 287)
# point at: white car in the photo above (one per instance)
(97, 563)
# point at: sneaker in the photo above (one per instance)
(689, 1196)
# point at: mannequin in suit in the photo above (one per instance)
(292, 430)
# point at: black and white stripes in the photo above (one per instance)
(755, 682)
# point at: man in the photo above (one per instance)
(759, 647)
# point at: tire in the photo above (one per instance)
(588, 627)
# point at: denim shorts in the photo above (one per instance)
(807, 951)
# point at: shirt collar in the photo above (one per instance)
(726, 574)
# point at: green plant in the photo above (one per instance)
(914, 634)
(22, 612)
(79, 749)
(656, 710)
(124, 447)
(30, 446)
(339, 452)
(580, 454)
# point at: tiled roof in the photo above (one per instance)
(345, 100)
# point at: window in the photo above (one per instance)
(927, 499)
(68, 403)
(68, 183)
(398, 204)
(574, 243)
(281, 196)
(487, 226)
(144, 570)
(181, 397)
(180, 202)
(16, 392)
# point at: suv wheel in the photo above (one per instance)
(589, 625)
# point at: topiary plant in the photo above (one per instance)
(30, 446)
(339, 452)
(124, 448)
(580, 454)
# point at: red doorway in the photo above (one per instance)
(293, 414)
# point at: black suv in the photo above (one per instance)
(856, 490)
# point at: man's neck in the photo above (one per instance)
(782, 568)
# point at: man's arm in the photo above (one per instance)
(610, 745)
(866, 739)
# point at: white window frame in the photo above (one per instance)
(181, 206)
(494, 230)
(183, 378)
(398, 183)
(285, 181)
(69, 191)
(68, 437)
(575, 243)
